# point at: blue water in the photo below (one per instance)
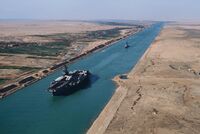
(33, 110)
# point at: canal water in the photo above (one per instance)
(33, 110)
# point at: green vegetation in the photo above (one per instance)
(2, 54)
(62, 41)
(104, 34)
(48, 58)
(49, 49)
(2, 81)
(22, 68)
(117, 23)
(55, 36)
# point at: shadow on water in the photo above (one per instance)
(93, 78)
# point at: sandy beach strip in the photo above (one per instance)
(108, 112)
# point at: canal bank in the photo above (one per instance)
(102, 122)
(27, 80)
(34, 110)
(163, 96)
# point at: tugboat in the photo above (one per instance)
(126, 46)
(69, 82)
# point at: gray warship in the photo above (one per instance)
(69, 82)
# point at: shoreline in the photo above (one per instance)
(103, 120)
(30, 79)
(163, 87)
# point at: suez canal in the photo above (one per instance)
(33, 110)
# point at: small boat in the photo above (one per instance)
(126, 45)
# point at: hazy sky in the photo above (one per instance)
(182, 10)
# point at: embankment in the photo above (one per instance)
(163, 89)
(100, 125)
(27, 80)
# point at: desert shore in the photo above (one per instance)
(161, 94)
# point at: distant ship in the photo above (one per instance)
(69, 82)
(126, 45)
